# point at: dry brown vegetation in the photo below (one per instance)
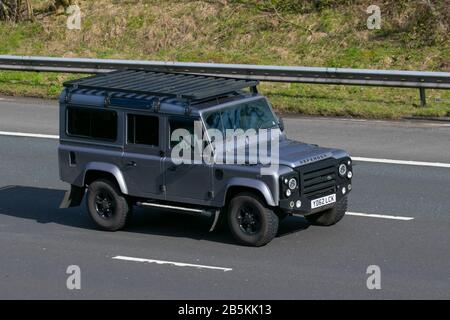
(414, 35)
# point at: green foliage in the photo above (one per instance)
(294, 6)
(325, 33)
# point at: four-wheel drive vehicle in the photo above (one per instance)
(117, 146)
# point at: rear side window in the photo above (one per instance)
(92, 123)
(143, 130)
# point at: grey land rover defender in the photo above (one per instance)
(117, 147)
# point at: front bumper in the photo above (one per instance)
(305, 208)
(316, 180)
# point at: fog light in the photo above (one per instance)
(292, 183)
(298, 204)
(349, 174)
(291, 204)
(288, 193)
(349, 187)
(342, 169)
(344, 191)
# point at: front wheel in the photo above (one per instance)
(251, 222)
(107, 206)
(329, 217)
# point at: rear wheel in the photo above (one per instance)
(329, 217)
(107, 206)
(251, 221)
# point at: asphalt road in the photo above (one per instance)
(38, 241)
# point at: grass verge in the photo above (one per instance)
(257, 32)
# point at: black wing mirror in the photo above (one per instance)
(281, 124)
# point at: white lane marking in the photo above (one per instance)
(403, 162)
(362, 159)
(29, 135)
(381, 216)
(178, 264)
(406, 124)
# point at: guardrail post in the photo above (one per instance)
(423, 98)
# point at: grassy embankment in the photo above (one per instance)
(257, 32)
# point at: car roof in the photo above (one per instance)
(162, 91)
(192, 87)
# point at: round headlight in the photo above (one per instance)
(292, 183)
(344, 191)
(288, 193)
(349, 174)
(342, 169)
(286, 181)
(298, 204)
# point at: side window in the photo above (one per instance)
(175, 124)
(143, 130)
(195, 129)
(92, 123)
(214, 121)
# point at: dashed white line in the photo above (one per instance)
(29, 135)
(381, 216)
(403, 162)
(178, 264)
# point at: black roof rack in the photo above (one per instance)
(166, 84)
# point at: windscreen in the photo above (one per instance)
(254, 114)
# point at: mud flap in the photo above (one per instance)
(216, 218)
(73, 197)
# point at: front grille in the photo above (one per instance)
(318, 179)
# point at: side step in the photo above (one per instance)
(203, 212)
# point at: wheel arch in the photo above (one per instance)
(238, 185)
(96, 170)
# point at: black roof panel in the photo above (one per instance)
(179, 85)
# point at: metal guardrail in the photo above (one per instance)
(336, 76)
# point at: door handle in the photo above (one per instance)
(131, 164)
(173, 168)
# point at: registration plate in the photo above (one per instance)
(317, 203)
